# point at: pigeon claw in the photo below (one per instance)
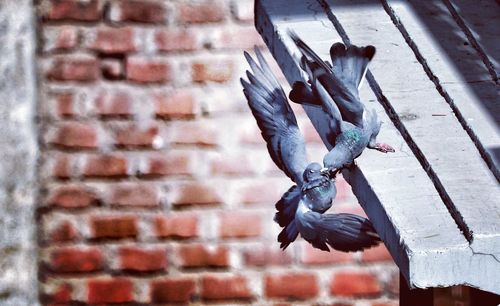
(383, 147)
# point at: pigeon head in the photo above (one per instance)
(313, 171)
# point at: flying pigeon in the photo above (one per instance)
(314, 190)
(334, 87)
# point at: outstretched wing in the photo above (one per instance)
(275, 118)
(343, 232)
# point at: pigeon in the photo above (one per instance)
(334, 87)
(314, 189)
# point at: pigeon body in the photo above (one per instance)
(334, 87)
(314, 188)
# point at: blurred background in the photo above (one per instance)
(155, 186)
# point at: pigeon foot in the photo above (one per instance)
(383, 147)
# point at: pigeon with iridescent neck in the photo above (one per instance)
(315, 189)
(334, 87)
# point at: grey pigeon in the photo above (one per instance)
(334, 87)
(314, 189)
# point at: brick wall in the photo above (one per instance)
(157, 186)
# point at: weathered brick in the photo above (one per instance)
(105, 166)
(71, 10)
(266, 256)
(242, 10)
(72, 196)
(240, 225)
(219, 71)
(201, 12)
(170, 163)
(64, 105)
(234, 165)
(138, 11)
(61, 167)
(145, 70)
(112, 69)
(60, 38)
(133, 194)
(313, 256)
(140, 260)
(261, 192)
(63, 232)
(293, 285)
(172, 290)
(176, 226)
(113, 104)
(75, 135)
(62, 294)
(194, 133)
(377, 253)
(113, 40)
(135, 136)
(114, 227)
(355, 284)
(225, 288)
(170, 40)
(75, 68)
(116, 290)
(197, 194)
(198, 255)
(179, 104)
(237, 38)
(72, 259)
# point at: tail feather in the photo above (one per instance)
(350, 63)
(288, 235)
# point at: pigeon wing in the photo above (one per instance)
(275, 118)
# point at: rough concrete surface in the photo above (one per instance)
(18, 154)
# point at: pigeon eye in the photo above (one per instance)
(311, 171)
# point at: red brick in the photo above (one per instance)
(377, 253)
(198, 255)
(172, 290)
(179, 104)
(240, 225)
(83, 69)
(72, 196)
(202, 12)
(114, 227)
(144, 70)
(225, 288)
(114, 40)
(313, 256)
(355, 284)
(116, 290)
(65, 106)
(138, 11)
(193, 133)
(73, 10)
(234, 165)
(113, 104)
(112, 69)
(132, 194)
(64, 232)
(139, 260)
(296, 285)
(61, 38)
(266, 256)
(176, 40)
(393, 303)
(61, 168)
(134, 136)
(105, 166)
(237, 38)
(176, 226)
(76, 260)
(62, 294)
(393, 284)
(169, 163)
(212, 71)
(197, 194)
(267, 192)
(75, 135)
